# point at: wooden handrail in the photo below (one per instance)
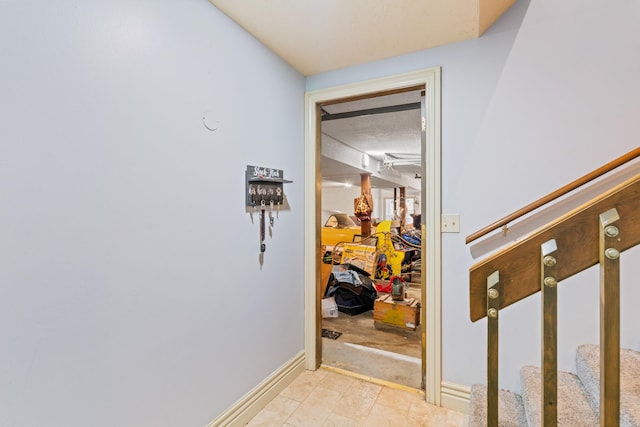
(573, 232)
(556, 194)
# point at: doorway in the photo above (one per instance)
(372, 145)
(429, 80)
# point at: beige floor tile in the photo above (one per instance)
(385, 416)
(324, 399)
(336, 382)
(302, 386)
(315, 409)
(321, 373)
(424, 414)
(275, 413)
(357, 400)
(335, 420)
(282, 404)
(456, 419)
(267, 419)
(466, 419)
(398, 399)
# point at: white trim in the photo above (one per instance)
(430, 78)
(432, 245)
(251, 403)
(455, 396)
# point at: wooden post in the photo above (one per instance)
(610, 318)
(365, 185)
(549, 282)
(395, 202)
(494, 291)
(402, 211)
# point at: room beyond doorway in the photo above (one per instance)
(373, 145)
(430, 80)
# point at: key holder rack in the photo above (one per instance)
(264, 190)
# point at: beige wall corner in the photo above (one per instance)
(489, 11)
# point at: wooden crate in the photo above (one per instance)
(405, 313)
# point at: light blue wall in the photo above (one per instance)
(131, 292)
(548, 94)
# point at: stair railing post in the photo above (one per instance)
(494, 291)
(549, 282)
(609, 252)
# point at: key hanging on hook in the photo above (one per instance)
(263, 247)
(254, 206)
(252, 196)
(271, 213)
(270, 196)
(278, 199)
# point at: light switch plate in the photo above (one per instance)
(450, 223)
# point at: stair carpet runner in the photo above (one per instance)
(578, 395)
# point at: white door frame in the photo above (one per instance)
(431, 245)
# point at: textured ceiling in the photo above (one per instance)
(379, 127)
(319, 36)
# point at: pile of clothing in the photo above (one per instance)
(351, 288)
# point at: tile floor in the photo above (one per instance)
(327, 398)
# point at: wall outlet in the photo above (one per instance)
(450, 223)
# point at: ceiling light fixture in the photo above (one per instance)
(390, 161)
(365, 160)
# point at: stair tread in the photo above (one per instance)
(510, 408)
(578, 395)
(588, 369)
(574, 406)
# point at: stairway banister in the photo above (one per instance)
(556, 194)
(574, 234)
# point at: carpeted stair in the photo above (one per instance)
(588, 368)
(578, 395)
(510, 408)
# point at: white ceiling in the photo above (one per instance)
(319, 36)
(392, 140)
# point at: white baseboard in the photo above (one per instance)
(251, 403)
(455, 396)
